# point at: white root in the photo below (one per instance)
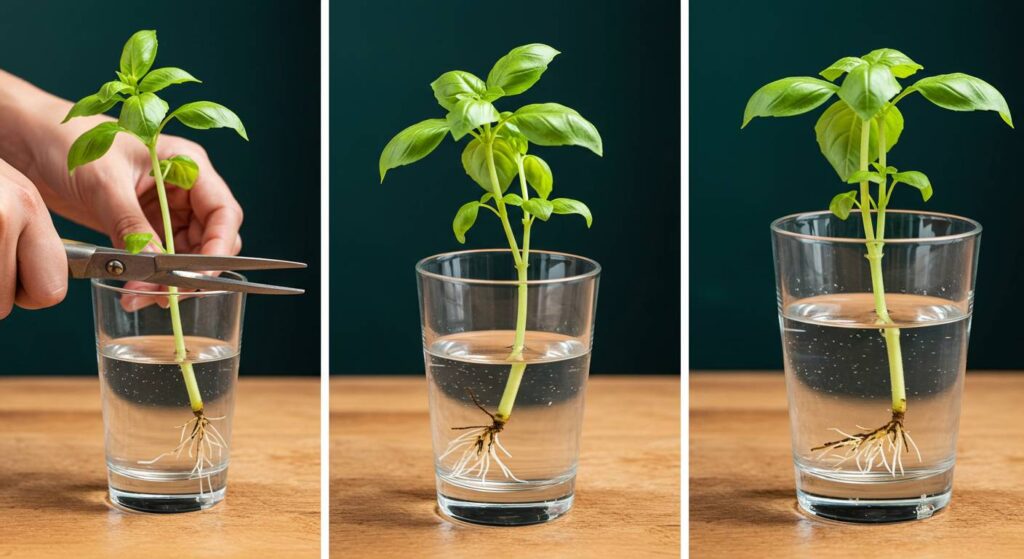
(479, 452)
(202, 442)
(883, 447)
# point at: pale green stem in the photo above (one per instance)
(875, 238)
(518, 367)
(180, 352)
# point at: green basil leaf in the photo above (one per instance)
(900, 64)
(841, 66)
(960, 92)
(142, 114)
(203, 115)
(518, 70)
(412, 144)
(180, 170)
(452, 87)
(469, 113)
(487, 196)
(511, 134)
(474, 161)
(512, 199)
(889, 170)
(860, 176)
(112, 89)
(551, 124)
(91, 105)
(867, 88)
(464, 219)
(838, 135)
(138, 55)
(92, 144)
(788, 97)
(163, 77)
(917, 180)
(539, 207)
(538, 175)
(493, 93)
(842, 204)
(564, 206)
(137, 242)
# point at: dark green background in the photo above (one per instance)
(262, 59)
(740, 181)
(619, 68)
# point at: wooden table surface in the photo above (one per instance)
(53, 484)
(382, 477)
(742, 499)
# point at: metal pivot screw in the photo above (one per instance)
(115, 267)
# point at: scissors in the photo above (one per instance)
(180, 270)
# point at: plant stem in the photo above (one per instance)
(875, 238)
(180, 352)
(518, 367)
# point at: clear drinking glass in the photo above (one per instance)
(838, 364)
(468, 304)
(154, 461)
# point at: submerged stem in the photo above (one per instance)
(180, 351)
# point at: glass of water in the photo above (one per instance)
(162, 456)
(506, 430)
(860, 454)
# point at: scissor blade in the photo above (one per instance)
(191, 280)
(210, 263)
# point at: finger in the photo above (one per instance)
(121, 214)
(132, 302)
(218, 212)
(42, 265)
(9, 231)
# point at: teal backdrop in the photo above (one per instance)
(619, 67)
(741, 181)
(262, 59)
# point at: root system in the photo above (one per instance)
(870, 448)
(202, 442)
(480, 448)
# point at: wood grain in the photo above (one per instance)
(53, 485)
(742, 500)
(382, 479)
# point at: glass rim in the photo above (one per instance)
(579, 277)
(974, 232)
(99, 282)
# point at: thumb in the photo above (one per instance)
(120, 214)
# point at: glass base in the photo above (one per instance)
(147, 502)
(165, 492)
(504, 514)
(873, 511)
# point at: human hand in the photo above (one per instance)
(116, 194)
(33, 264)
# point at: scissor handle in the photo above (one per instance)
(78, 255)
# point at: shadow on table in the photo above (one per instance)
(54, 490)
(385, 506)
(774, 507)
